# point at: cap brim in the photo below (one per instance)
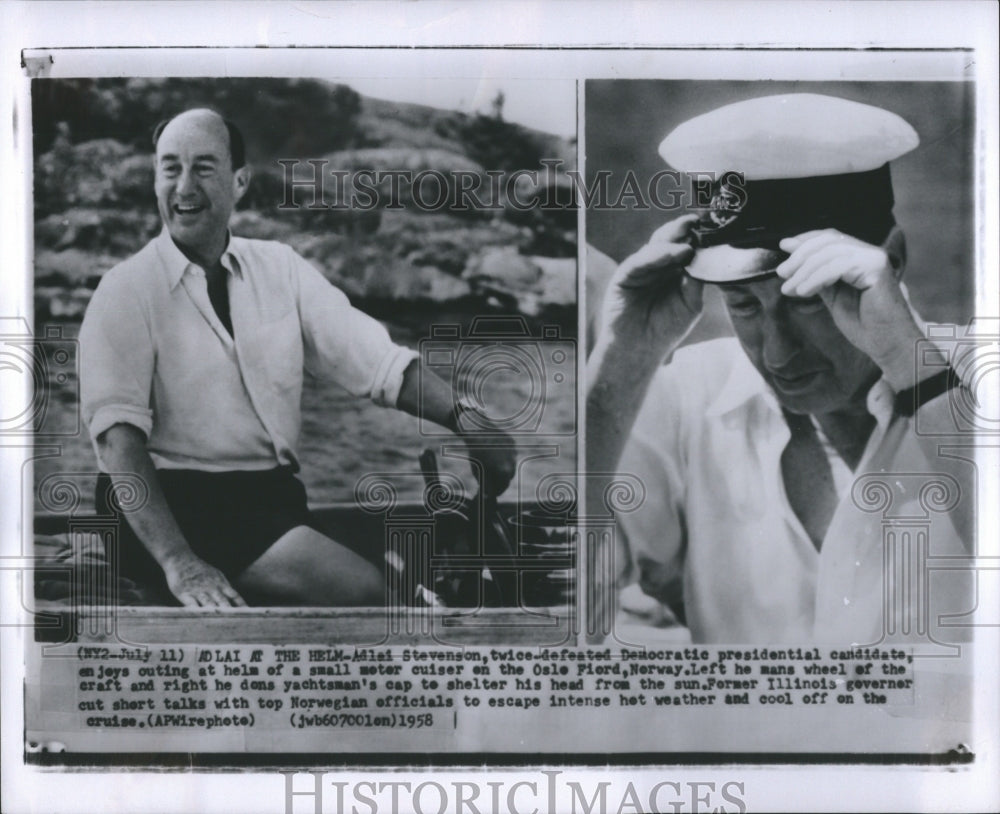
(722, 265)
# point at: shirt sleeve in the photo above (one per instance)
(116, 360)
(345, 345)
(654, 532)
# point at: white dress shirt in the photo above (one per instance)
(716, 520)
(155, 355)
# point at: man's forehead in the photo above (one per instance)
(203, 133)
(761, 286)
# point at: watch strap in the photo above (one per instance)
(913, 398)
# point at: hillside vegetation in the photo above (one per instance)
(94, 202)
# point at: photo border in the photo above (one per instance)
(913, 27)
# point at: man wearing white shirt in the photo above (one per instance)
(192, 360)
(748, 448)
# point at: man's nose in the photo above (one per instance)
(781, 342)
(186, 182)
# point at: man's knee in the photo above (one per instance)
(305, 567)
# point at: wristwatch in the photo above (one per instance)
(913, 398)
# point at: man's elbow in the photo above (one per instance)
(120, 442)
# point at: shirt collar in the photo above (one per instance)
(744, 383)
(175, 264)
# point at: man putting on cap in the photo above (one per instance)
(748, 447)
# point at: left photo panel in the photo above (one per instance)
(305, 369)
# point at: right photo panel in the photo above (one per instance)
(781, 396)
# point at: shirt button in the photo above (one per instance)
(847, 601)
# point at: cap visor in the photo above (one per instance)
(721, 265)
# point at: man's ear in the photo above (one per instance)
(241, 182)
(895, 247)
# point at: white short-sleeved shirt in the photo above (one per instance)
(717, 524)
(155, 355)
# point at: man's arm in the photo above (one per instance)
(425, 395)
(193, 581)
(648, 309)
(346, 345)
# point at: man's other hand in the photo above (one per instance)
(496, 456)
(426, 394)
(197, 584)
(650, 301)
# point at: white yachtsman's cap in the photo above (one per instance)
(782, 165)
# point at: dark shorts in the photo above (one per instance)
(228, 518)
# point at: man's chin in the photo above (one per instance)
(192, 236)
(813, 401)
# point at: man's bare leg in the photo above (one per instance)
(305, 567)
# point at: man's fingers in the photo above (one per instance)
(806, 249)
(675, 231)
(234, 598)
(228, 594)
(653, 258)
(210, 591)
(221, 594)
(807, 266)
(792, 244)
(860, 266)
(195, 599)
(805, 253)
(822, 278)
(815, 236)
(649, 278)
(215, 598)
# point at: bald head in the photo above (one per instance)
(210, 123)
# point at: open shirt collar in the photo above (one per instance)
(176, 264)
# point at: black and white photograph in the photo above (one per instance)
(783, 345)
(238, 444)
(427, 407)
(310, 356)
(782, 301)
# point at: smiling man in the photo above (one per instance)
(749, 447)
(192, 360)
